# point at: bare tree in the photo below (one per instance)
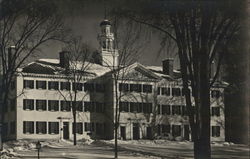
(76, 55)
(24, 27)
(126, 35)
(201, 31)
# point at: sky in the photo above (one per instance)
(84, 18)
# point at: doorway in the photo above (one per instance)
(123, 132)
(136, 131)
(66, 130)
(149, 132)
(186, 132)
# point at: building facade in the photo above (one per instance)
(148, 100)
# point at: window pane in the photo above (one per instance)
(28, 84)
(28, 104)
(165, 91)
(41, 127)
(65, 106)
(40, 84)
(65, 86)
(77, 86)
(147, 88)
(53, 105)
(28, 127)
(53, 85)
(41, 105)
(53, 127)
(166, 109)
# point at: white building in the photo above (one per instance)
(150, 100)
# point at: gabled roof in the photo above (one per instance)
(52, 67)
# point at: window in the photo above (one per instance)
(123, 87)
(159, 109)
(158, 91)
(184, 110)
(79, 127)
(41, 105)
(182, 92)
(65, 105)
(215, 111)
(215, 94)
(166, 109)
(176, 91)
(135, 87)
(12, 127)
(124, 107)
(99, 88)
(53, 127)
(89, 87)
(79, 106)
(53, 85)
(77, 86)
(176, 130)
(147, 108)
(133, 107)
(99, 107)
(165, 91)
(28, 104)
(147, 88)
(28, 84)
(215, 131)
(28, 127)
(87, 127)
(165, 129)
(65, 86)
(53, 105)
(140, 107)
(176, 110)
(40, 84)
(41, 127)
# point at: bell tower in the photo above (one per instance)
(107, 48)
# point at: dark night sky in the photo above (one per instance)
(84, 17)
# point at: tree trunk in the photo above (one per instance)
(116, 145)
(74, 122)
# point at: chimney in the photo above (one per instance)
(64, 59)
(168, 66)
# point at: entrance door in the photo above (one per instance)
(123, 132)
(65, 130)
(149, 133)
(136, 131)
(186, 132)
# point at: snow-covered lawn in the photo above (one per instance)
(131, 149)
